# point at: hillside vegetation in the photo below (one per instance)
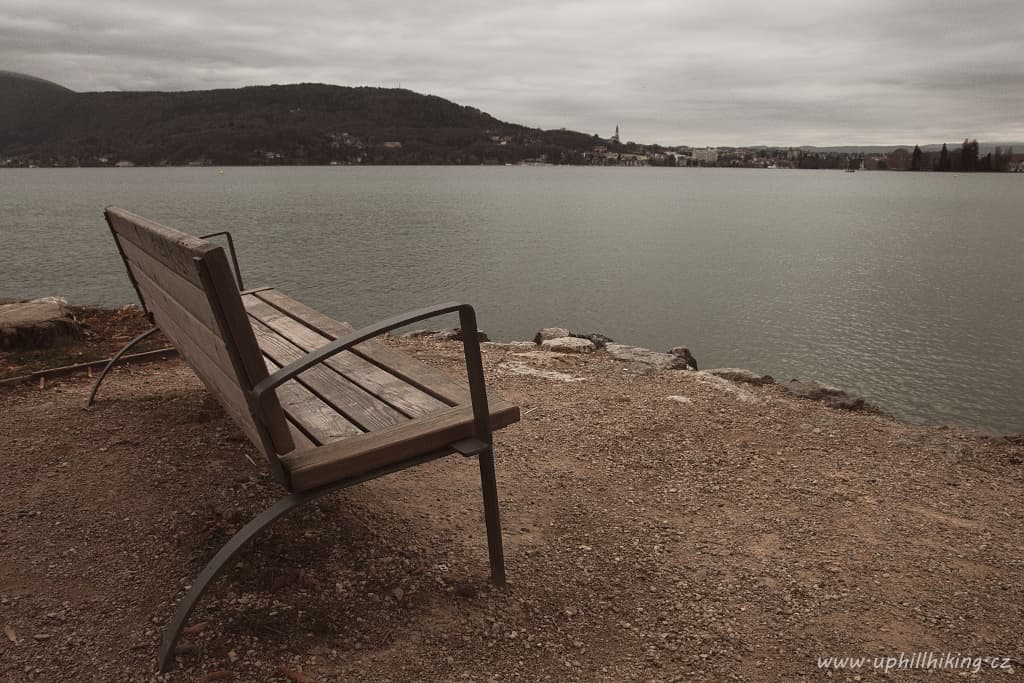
(42, 122)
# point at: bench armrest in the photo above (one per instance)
(231, 251)
(470, 345)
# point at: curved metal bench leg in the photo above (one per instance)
(117, 357)
(218, 564)
(282, 507)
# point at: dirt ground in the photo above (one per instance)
(730, 533)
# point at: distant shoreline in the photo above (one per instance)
(495, 165)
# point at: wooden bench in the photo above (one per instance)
(326, 405)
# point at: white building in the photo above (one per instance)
(706, 155)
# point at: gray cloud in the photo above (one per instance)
(725, 72)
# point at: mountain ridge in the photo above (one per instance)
(306, 123)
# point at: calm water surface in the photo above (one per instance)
(905, 287)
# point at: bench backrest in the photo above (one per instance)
(186, 286)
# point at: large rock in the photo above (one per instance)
(551, 333)
(598, 339)
(685, 354)
(568, 345)
(727, 386)
(741, 375)
(645, 359)
(830, 395)
(36, 324)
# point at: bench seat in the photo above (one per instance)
(372, 407)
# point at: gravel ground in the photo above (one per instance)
(729, 533)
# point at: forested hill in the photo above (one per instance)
(44, 123)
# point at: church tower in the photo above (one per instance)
(615, 138)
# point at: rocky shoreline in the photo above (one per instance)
(58, 338)
(561, 340)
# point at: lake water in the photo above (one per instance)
(907, 288)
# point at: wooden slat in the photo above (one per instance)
(208, 358)
(226, 302)
(359, 454)
(174, 249)
(230, 406)
(174, 286)
(391, 389)
(430, 380)
(360, 407)
(189, 337)
(185, 318)
(318, 419)
(301, 441)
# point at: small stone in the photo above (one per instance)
(397, 593)
(232, 656)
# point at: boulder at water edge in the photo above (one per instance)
(741, 375)
(551, 333)
(645, 359)
(568, 345)
(816, 391)
(685, 354)
(36, 324)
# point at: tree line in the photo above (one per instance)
(966, 159)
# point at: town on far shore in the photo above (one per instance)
(965, 158)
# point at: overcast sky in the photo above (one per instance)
(719, 72)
